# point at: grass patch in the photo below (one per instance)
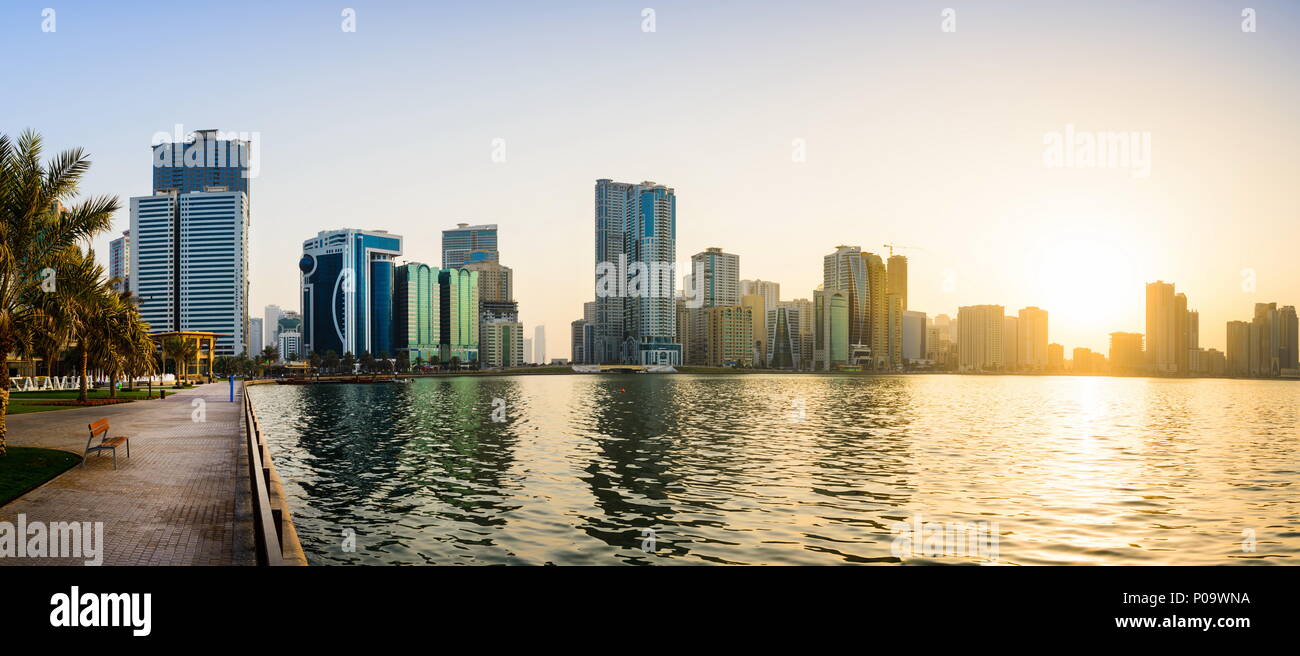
(27, 467)
(23, 408)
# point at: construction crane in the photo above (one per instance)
(891, 248)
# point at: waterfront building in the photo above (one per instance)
(1011, 343)
(458, 316)
(1289, 337)
(1055, 357)
(1082, 362)
(980, 343)
(579, 341)
(1265, 341)
(878, 328)
(1032, 339)
(189, 263)
(831, 340)
(807, 330)
(417, 299)
(539, 344)
(1213, 362)
(289, 320)
(896, 278)
(459, 242)
(783, 342)
(1162, 328)
(713, 281)
(894, 331)
(1126, 355)
(119, 262)
(730, 336)
(291, 348)
(758, 313)
(255, 332)
(1238, 349)
(636, 237)
(271, 325)
(528, 350)
(914, 334)
(845, 271)
(503, 344)
(347, 291)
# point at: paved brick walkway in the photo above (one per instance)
(176, 501)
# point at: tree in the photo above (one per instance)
(314, 360)
(330, 361)
(180, 351)
(38, 234)
(348, 363)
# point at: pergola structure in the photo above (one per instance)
(205, 346)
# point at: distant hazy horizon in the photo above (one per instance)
(911, 136)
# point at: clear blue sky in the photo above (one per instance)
(913, 136)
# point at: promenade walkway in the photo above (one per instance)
(180, 499)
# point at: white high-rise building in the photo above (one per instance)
(271, 325)
(1162, 328)
(1011, 343)
(528, 351)
(189, 264)
(119, 261)
(539, 344)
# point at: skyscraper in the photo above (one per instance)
(980, 338)
(189, 263)
(417, 298)
(1032, 333)
(119, 261)
(758, 314)
(897, 277)
(636, 237)
(914, 334)
(714, 278)
(458, 315)
(878, 329)
(1162, 328)
(831, 340)
(1238, 355)
(770, 291)
(1126, 353)
(730, 335)
(1289, 334)
(539, 344)
(845, 271)
(255, 339)
(459, 242)
(271, 325)
(1011, 343)
(783, 340)
(347, 291)
(206, 160)
(503, 344)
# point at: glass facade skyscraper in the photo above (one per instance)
(459, 314)
(416, 312)
(466, 243)
(636, 246)
(205, 160)
(347, 291)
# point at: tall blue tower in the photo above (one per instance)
(347, 291)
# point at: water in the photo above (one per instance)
(789, 469)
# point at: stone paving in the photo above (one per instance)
(179, 499)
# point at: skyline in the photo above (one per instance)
(887, 161)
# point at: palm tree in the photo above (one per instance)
(180, 351)
(37, 235)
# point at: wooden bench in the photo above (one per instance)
(100, 429)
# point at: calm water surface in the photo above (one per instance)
(788, 469)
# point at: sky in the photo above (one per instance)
(786, 129)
